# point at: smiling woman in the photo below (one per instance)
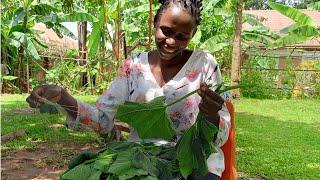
(170, 71)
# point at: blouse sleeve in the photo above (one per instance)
(213, 76)
(100, 116)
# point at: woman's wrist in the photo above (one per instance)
(69, 103)
(213, 120)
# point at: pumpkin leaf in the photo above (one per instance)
(149, 119)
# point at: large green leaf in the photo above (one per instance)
(289, 28)
(314, 6)
(215, 43)
(263, 31)
(255, 38)
(298, 16)
(149, 119)
(27, 43)
(94, 39)
(42, 9)
(251, 19)
(290, 39)
(194, 147)
(307, 31)
(78, 16)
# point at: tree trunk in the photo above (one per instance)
(236, 52)
(150, 25)
(82, 46)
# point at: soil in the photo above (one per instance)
(46, 161)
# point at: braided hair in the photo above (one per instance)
(194, 7)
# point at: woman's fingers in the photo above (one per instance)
(35, 99)
(209, 94)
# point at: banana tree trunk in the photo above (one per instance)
(150, 24)
(236, 52)
(82, 42)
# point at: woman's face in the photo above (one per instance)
(174, 29)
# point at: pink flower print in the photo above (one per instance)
(98, 104)
(222, 123)
(96, 126)
(192, 74)
(141, 98)
(174, 115)
(188, 103)
(124, 70)
(138, 67)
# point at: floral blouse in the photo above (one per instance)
(135, 82)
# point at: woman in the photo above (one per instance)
(171, 70)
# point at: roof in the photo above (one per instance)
(56, 45)
(277, 21)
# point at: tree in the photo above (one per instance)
(236, 52)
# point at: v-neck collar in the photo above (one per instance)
(146, 58)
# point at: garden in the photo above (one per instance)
(80, 45)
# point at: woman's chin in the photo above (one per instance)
(167, 56)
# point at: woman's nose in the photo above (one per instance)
(170, 41)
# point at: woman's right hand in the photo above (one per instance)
(41, 93)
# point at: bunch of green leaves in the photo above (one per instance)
(151, 121)
(123, 160)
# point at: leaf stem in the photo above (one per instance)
(185, 96)
(218, 91)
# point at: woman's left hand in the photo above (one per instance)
(210, 104)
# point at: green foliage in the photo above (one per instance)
(195, 146)
(304, 28)
(123, 160)
(149, 119)
(298, 16)
(314, 6)
(260, 83)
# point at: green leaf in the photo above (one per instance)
(123, 166)
(78, 16)
(215, 43)
(294, 14)
(195, 40)
(9, 78)
(80, 172)
(96, 175)
(26, 42)
(252, 19)
(314, 6)
(195, 146)
(103, 162)
(307, 31)
(290, 39)
(185, 155)
(149, 119)
(94, 39)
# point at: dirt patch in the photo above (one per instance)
(44, 162)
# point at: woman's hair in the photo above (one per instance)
(194, 7)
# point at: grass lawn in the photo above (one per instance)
(276, 139)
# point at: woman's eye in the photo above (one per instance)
(166, 31)
(182, 37)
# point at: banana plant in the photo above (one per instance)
(224, 18)
(304, 28)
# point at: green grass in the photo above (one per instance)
(15, 115)
(276, 139)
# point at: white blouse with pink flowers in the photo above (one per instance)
(135, 82)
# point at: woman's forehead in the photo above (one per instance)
(176, 16)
